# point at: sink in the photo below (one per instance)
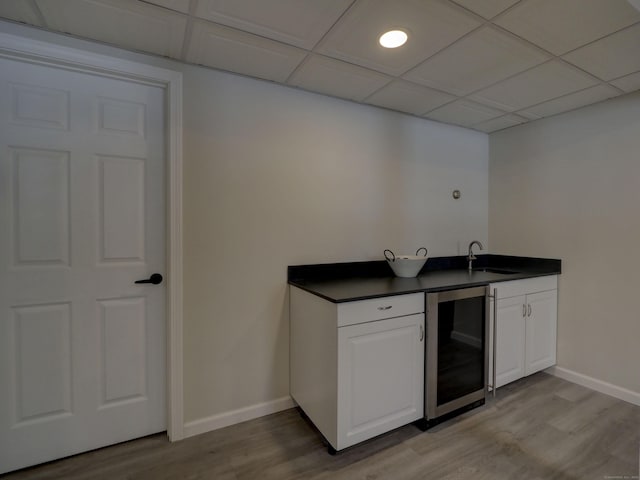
(502, 271)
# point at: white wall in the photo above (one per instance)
(276, 176)
(569, 187)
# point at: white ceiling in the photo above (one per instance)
(482, 64)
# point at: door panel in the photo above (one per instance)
(122, 208)
(381, 367)
(120, 117)
(41, 362)
(41, 203)
(82, 347)
(38, 106)
(510, 340)
(122, 345)
(541, 331)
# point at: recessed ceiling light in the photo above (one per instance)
(393, 39)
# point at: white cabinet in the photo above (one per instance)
(357, 368)
(510, 340)
(380, 377)
(542, 326)
(526, 320)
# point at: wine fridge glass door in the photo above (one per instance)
(457, 356)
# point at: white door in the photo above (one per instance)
(82, 348)
(380, 377)
(542, 325)
(510, 340)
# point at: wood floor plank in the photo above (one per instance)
(539, 428)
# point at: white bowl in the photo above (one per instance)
(406, 266)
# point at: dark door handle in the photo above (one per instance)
(155, 278)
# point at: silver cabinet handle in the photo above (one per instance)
(524, 310)
(385, 308)
(529, 310)
(495, 339)
(421, 333)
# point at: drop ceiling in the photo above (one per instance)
(481, 64)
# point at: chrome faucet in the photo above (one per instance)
(471, 256)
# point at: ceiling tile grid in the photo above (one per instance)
(230, 49)
(177, 5)
(464, 113)
(481, 64)
(409, 97)
(135, 25)
(628, 83)
(611, 57)
(24, 12)
(480, 59)
(431, 24)
(571, 101)
(335, 77)
(297, 22)
(544, 82)
(563, 25)
(486, 8)
(500, 123)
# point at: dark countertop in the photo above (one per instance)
(345, 282)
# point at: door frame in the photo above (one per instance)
(32, 51)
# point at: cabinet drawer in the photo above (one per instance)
(351, 313)
(525, 286)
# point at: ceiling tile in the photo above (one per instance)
(500, 123)
(629, 83)
(529, 115)
(431, 25)
(20, 11)
(486, 8)
(482, 58)
(340, 79)
(452, 51)
(611, 57)
(177, 5)
(562, 25)
(573, 101)
(541, 83)
(408, 97)
(133, 25)
(297, 22)
(229, 49)
(464, 112)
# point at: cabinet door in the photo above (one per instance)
(510, 355)
(380, 377)
(542, 322)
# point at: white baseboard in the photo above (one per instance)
(214, 422)
(595, 384)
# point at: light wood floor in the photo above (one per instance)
(538, 428)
